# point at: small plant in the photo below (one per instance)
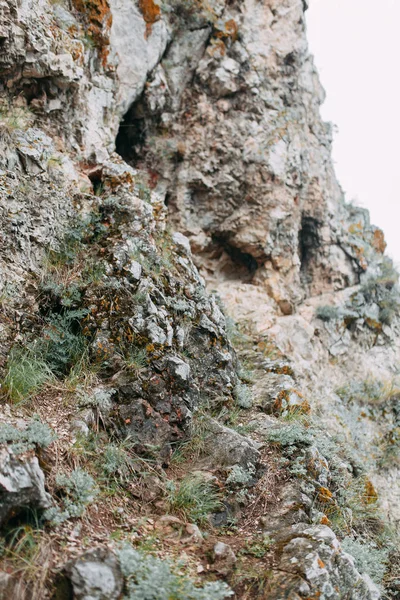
(150, 578)
(246, 375)
(25, 374)
(368, 391)
(328, 313)
(116, 463)
(194, 498)
(368, 558)
(79, 490)
(15, 117)
(136, 360)
(242, 396)
(63, 343)
(295, 434)
(7, 292)
(239, 476)
(99, 399)
(257, 547)
(34, 434)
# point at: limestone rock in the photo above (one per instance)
(313, 556)
(95, 575)
(21, 485)
(224, 558)
(228, 448)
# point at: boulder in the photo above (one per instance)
(94, 575)
(21, 484)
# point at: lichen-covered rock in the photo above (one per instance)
(225, 447)
(22, 485)
(224, 558)
(213, 109)
(313, 565)
(95, 575)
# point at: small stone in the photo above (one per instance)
(179, 369)
(135, 269)
(182, 242)
(224, 558)
(194, 533)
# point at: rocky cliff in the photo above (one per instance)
(198, 335)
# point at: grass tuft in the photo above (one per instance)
(194, 498)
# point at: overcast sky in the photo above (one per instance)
(356, 45)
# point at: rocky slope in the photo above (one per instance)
(198, 336)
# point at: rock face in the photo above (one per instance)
(314, 564)
(95, 574)
(21, 485)
(244, 159)
(150, 151)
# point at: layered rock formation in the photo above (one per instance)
(149, 151)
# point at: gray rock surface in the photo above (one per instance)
(95, 575)
(312, 563)
(225, 447)
(22, 485)
(213, 109)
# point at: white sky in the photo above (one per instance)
(356, 45)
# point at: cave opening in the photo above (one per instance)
(132, 133)
(309, 240)
(242, 265)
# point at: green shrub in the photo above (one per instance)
(34, 434)
(368, 558)
(328, 313)
(194, 498)
(149, 578)
(295, 434)
(238, 476)
(79, 490)
(243, 396)
(25, 374)
(63, 344)
(116, 463)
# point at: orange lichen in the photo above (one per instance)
(324, 495)
(325, 521)
(356, 228)
(151, 14)
(378, 241)
(229, 30)
(113, 181)
(371, 495)
(321, 563)
(217, 48)
(283, 402)
(99, 20)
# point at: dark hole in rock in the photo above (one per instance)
(309, 239)
(290, 59)
(131, 136)
(96, 177)
(242, 265)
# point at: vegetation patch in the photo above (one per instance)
(368, 557)
(77, 490)
(194, 498)
(35, 434)
(150, 577)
